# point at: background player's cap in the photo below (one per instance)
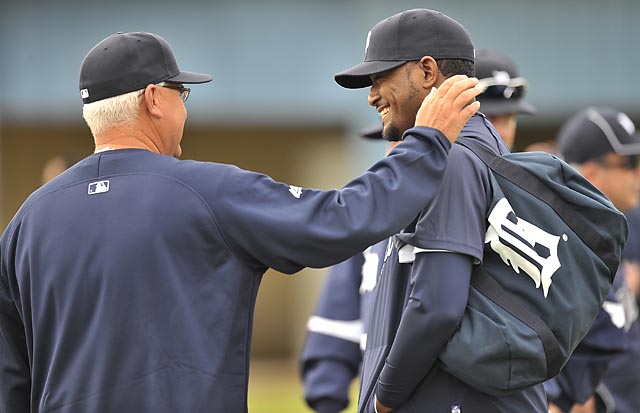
(405, 37)
(125, 62)
(372, 132)
(592, 133)
(504, 88)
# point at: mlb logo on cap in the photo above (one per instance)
(98, 187)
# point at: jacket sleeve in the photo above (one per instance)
(439, 292)
(15, 377)
(288, 228)
(577, 381)
(331, 354)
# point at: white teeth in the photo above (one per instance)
(384, 111)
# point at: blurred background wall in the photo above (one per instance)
(273, 105)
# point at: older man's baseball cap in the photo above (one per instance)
(592, 133)
(406, 37)
(125, 62)
(504, 89)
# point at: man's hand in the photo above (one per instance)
(554, 409)
(588, 407)
(381, 408)
(450, 106)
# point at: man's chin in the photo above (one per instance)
(391, 133)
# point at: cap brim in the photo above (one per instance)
(630, 147)
(357, 76)
(493, 107)
(372, 132)
(191, 77)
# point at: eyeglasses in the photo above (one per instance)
(629, 163)
(184, 91)
(493, 87)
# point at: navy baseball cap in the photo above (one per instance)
(592, 133)
(125, 62)
(406, 37)
(504, 89)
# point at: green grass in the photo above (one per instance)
(275, 387)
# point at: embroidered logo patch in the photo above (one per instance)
(296, 191)
(99, 187)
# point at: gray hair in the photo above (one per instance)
(117, 111)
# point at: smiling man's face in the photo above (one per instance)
(397, 95)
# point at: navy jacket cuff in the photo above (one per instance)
(327, 406)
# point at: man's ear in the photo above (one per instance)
(152, 101)
(431, 75)
(590, 170)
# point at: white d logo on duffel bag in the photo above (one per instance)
(520, 243)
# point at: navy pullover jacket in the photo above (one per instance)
(128, 283)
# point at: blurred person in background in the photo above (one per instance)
(632, 251)
(603, 374)
(128, 282)
(55, 165)
(542, 146)
(336, 332)
(503, 98)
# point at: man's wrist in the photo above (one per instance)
(376, 403)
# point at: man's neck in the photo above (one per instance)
(124, 139)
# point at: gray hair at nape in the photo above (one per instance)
(109, 113)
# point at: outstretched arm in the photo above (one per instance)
(313, 228)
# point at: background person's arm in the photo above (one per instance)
(331, 355)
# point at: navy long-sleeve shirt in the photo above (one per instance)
(429, 319)
(129, 282)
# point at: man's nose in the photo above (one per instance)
(374, 95)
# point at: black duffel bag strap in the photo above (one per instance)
(491, 289)
(536, 187)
